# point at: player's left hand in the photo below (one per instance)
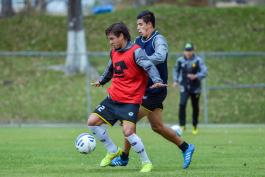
(158, 85)
(192, 76)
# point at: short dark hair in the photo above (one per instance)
(147, 16)
(117, 29)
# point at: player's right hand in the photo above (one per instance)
(95, 84)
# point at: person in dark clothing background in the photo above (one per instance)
(188, 73)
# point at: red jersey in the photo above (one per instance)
(129, 80)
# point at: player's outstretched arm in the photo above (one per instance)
(149, 67)
(106, 76)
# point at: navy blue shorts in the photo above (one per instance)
(111, 111)
(151, 102)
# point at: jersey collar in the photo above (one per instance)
(127, 47)
(152, 35)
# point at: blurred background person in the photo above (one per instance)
(188, 73)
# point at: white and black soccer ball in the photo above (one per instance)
(85, 143)
(177, 129)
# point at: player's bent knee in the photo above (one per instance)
(92, 120)
(128, 132)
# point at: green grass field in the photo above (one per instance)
(41, 152)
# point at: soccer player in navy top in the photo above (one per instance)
(156, 49)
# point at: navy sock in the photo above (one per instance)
(124, 156)
(184, 146)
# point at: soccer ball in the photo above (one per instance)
(85, 143)
(177, 129)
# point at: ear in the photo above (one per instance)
(149, 24)
(121, 36)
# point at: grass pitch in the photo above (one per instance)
(41, 151)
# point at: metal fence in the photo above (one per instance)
(208, 86)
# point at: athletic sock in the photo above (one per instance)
(102, 135)
(138, 147)
(124, 156)
(184, 146)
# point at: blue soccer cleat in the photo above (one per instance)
(187, 155)
(119, 162)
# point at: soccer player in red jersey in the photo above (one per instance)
(128, 69)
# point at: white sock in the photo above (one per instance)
(102, 135)
(138, 147)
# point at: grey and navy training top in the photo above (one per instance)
(183, 67)
(156, 49)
